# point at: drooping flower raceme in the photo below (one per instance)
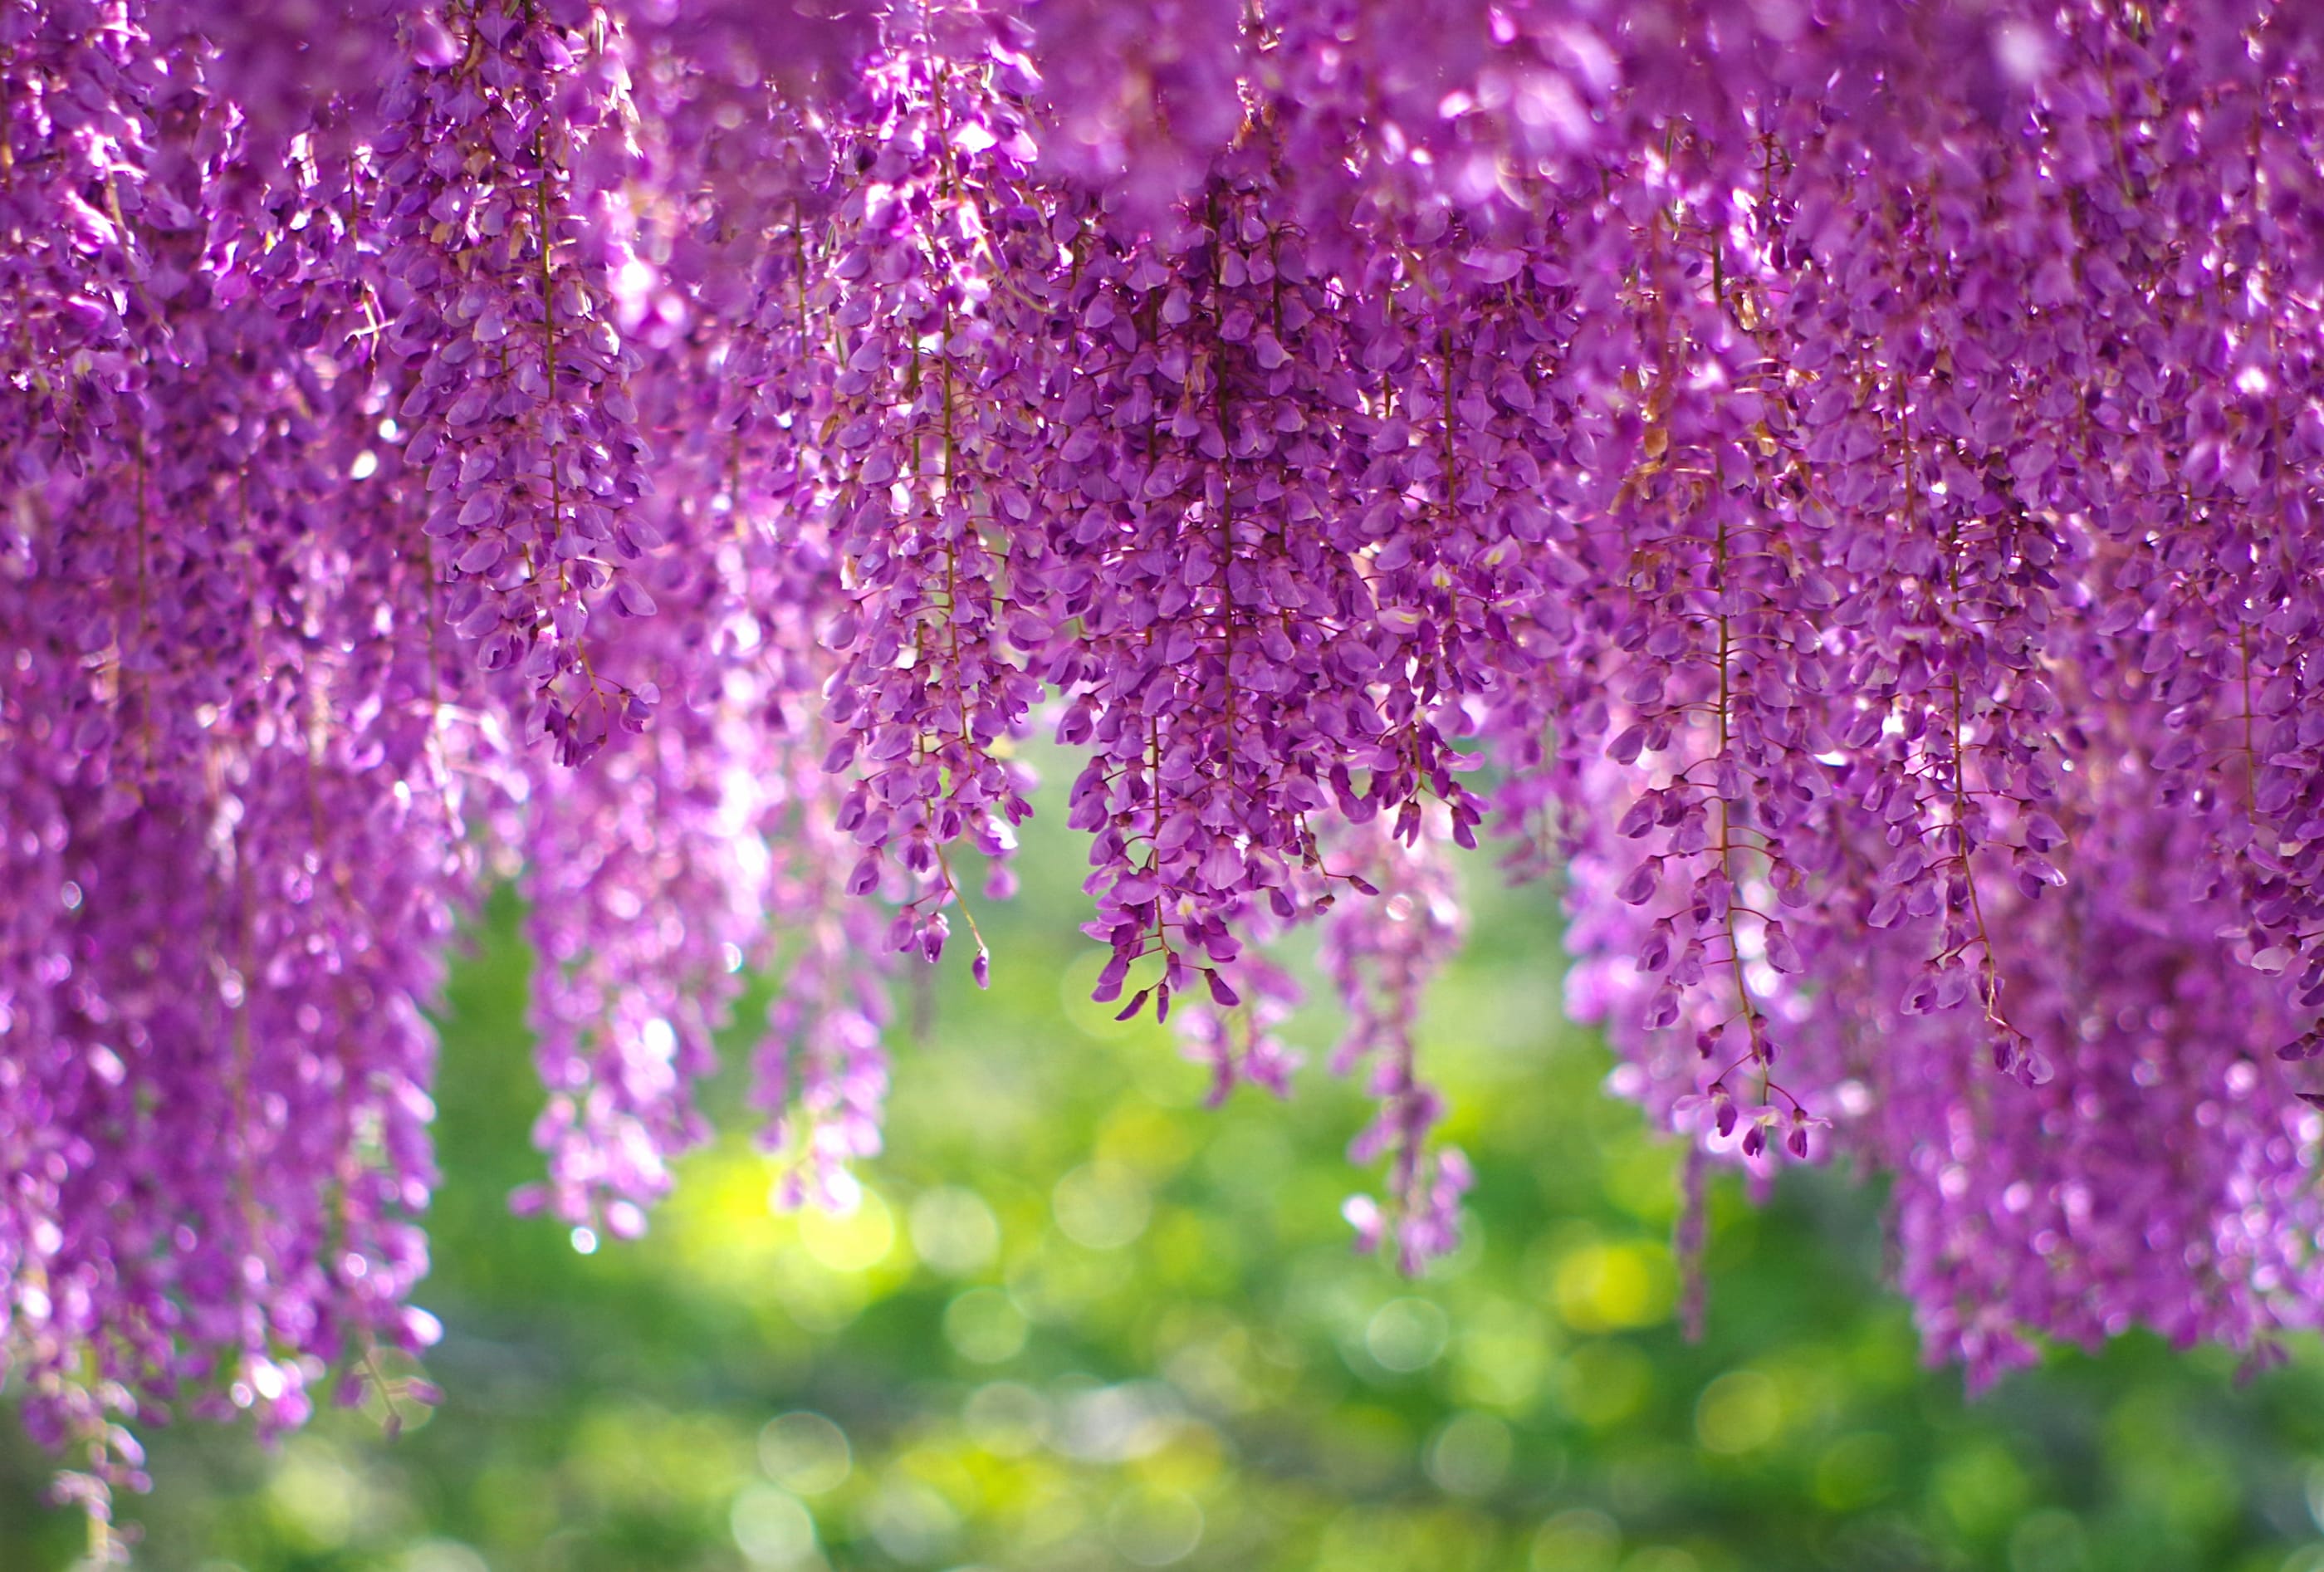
(1840, 482)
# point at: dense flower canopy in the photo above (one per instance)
(1832, 476)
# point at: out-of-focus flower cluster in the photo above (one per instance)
(1842, 475)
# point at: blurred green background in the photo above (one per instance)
(1080, 1322)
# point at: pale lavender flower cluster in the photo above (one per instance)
(1381, 953)
(1843, 478)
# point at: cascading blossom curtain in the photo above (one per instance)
(1835, 476)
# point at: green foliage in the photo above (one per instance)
(1082, 1322)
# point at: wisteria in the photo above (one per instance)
(1829, 481)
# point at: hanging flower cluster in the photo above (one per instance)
(1838, 480)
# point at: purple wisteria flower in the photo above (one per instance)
(1840, 482)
